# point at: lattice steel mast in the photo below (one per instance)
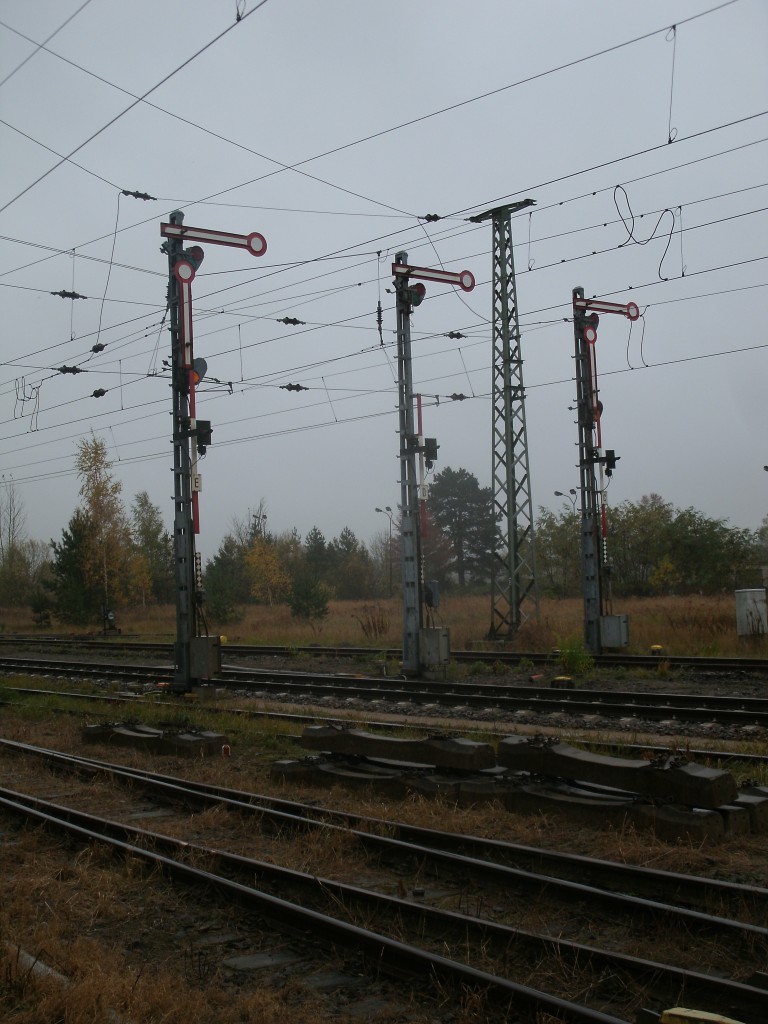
(514, 588)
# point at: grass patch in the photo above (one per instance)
(691, 625)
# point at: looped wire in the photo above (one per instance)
(671, 36)
(531, 262)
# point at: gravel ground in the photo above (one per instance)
(683, 682)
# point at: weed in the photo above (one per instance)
(480, 668)
(456, 670)
(662, 670)
(681, 625)
(373, 620)
(574, 657)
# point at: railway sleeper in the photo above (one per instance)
(156, 741)
(440, 751)
(532, 793)
(666, 777)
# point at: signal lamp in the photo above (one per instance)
(416, 293)
(199, 370)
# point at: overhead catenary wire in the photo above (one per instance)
(326, 362)
(208, 131)
(203, 312)
(42, 46)
(493, 92)
(122, 113)
(392, 235)
(213, 312)
(436, 399)
(340, 323)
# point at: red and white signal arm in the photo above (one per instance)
(465, 279)
(255, 242)
(628, 309)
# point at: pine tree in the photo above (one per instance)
(463, 511)
(152, 559)
(76, 599)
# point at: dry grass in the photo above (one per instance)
(694, 625)
(102, 982)
(128, 940)
(124, 945)
(249, 766)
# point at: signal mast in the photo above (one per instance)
(197, 656)
(601, 628)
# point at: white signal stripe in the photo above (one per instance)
(204, 235)
(185, 321)
(427, 274)
(598, 306)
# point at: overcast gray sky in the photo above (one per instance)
(332, 127)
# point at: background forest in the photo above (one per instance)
(113, 556)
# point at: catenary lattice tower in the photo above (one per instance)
(514, 589)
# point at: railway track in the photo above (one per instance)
(712, 755)
(503, 698)
(161, 649)
(477, 870)
(704, 755)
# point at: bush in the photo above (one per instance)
(574, 657)
(373, 621)
(309, 600)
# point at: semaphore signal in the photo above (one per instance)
(197, 655)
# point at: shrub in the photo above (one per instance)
(373, 620)
(574, 657)
(309, 600)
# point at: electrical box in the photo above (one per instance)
(614, 630)
(751, 612)
(435, 646)
(204, 656)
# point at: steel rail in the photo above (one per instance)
(381, 951)
(507, 697)
(439, 848)
(663, 981)
(506, 657)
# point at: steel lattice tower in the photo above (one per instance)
(514, 588)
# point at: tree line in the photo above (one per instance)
(653, 548)
(107, 557)
(110, 556)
